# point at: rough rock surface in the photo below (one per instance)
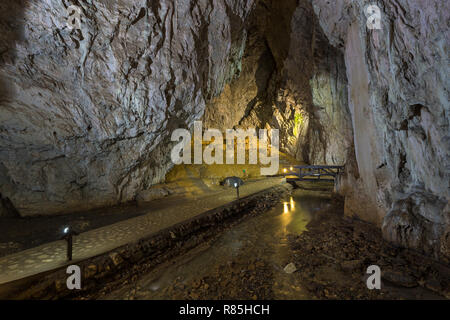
(398, 99)
(290, 79)
(86, 115)
(152, 194)
(335, 252)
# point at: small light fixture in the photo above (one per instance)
(284, 170)
(68, 236)
(291, 168)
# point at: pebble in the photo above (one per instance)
(290, 268)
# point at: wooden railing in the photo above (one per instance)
(312, 173)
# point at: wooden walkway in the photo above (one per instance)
(312, 173)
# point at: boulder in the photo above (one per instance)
(151, 194)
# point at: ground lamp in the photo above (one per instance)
(68, 236)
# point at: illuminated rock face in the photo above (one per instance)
(293, 80)
(86, 115)
(398, 98)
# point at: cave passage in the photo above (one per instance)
(254, 260)
(255, 250)
(224, 149)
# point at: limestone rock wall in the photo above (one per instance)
(86, 115)
(291, 79)
(398, 99)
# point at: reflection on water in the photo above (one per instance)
(263, 236)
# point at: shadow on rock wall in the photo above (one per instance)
(293, 80)
(11, 26)
(12, 29)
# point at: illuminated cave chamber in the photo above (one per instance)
(86, 115)
(289, 78)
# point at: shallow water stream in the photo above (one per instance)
(263, 237)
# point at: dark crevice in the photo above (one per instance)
(141, 15)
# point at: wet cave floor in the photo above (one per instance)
(306, 229)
